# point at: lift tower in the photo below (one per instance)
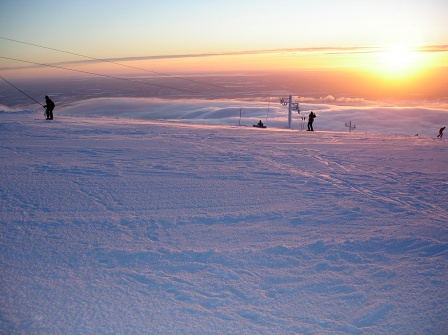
(292, 106)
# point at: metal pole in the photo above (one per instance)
(350, 127)
(290, 112)
(269, 105)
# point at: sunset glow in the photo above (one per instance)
(400, 61)
(390, 42)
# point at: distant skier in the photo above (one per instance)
(49, 108)
(311, 118)
(441, 132)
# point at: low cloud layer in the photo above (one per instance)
(332, 113)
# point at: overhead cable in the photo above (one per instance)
(115, 63)
(108, 76)
(21, 91)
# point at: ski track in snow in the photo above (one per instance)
(113, 226)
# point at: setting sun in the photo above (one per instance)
(399, 61)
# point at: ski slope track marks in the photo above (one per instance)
(115, 226)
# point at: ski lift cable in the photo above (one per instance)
(22, 91)
(114, 77)
(116, 63)
(109, 76)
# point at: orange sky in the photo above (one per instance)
(398, 45)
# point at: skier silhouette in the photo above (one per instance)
(49, 108)
(311, 118)
(441, 132)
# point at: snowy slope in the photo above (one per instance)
(115, 226)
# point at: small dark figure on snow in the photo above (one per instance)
(441, 132)
(311, 118)
(49, 108)
(260, 124)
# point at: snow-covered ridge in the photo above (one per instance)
(112, 225)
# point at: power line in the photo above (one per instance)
(108, 76)
(114, 77)
(22, 91)
(116, 63)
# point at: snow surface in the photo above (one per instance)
(119, 226)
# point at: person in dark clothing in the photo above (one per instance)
(49, 108)
(260, 124)
(311, 118)
(441, 132)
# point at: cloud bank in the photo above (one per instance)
(319, 50)
(332, 113)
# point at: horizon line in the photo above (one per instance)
(324, 50)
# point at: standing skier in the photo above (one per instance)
(441, 132)
(49, 108)
(311, 118)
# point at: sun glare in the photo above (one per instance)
(398, 62)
